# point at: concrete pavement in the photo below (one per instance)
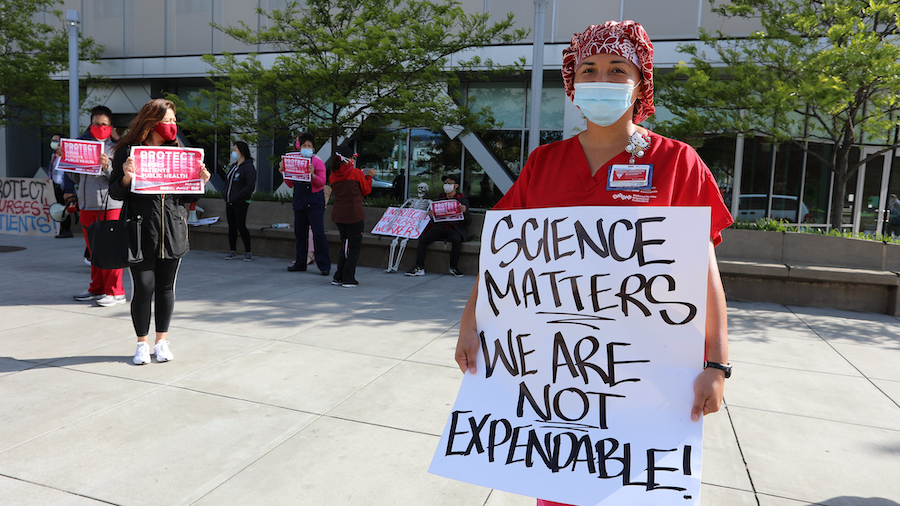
(286, 390)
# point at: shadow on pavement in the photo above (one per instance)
(857, 501)
(10, 364)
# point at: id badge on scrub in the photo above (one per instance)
(630, 177)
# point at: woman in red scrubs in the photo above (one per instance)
(608, 73)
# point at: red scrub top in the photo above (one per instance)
(558, 175)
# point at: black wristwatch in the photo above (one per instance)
(726, 368)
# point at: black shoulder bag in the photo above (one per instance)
(116, 244)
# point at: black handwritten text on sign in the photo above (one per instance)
(590, 324)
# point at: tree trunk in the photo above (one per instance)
(842, 174)
(837, 202)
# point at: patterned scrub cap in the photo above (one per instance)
(626, 39)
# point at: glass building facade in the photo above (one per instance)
(154, 46)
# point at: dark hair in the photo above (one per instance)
(346, 151)
(101, 109)
(243, 150)
(306, 136)
(150, 114)
(451, 177)
(57, 135)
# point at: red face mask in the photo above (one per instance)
(168, 131)
(101, 132)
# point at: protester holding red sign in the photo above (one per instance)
(57, 177)
(608, 73)
(309, 208)
(165, 230)
(451, 223)
(92, 191)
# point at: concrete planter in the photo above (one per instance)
(793, 248)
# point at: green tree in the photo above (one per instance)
(30, 52)
(818, 70)
(351, 65)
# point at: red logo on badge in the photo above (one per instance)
(629, 175)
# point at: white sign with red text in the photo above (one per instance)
(81, 157)
(296, 168)
(446, 210)
(402, 222)
(590, 325)
(166, 169)
(25, 206)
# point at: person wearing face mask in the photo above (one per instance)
(309, 209)
(239, 186)
(456, 232)
(57, 177)
(608, 72)
(350, 185)
(164, 239)
(94, 203)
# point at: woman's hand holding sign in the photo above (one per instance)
(128, 169)
(467, 345)
(709, 388)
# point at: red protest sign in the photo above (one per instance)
(446, 210)
(81, 157)
(296, 168)
(165, 169)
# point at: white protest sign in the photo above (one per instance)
(402, 222)
(591, 322)
(25, 206)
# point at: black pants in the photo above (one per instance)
(153, 276)
(236, 213)
(437, 234)
(66, 224)
(351, 243)
(311, 218)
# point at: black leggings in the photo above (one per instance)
(153, 275)
(351, 244)
(236, 212)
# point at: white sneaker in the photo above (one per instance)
(87, 262)
(142, 354)
(162, 352)
(111, 300)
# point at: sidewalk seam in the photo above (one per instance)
(737, 441)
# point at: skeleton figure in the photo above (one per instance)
(420, 203)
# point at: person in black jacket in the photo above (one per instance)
(456, 232)
(164, 237)
(240, 183)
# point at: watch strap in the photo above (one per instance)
(726, 368)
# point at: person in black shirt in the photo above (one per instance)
(240, 183)
(453, 231)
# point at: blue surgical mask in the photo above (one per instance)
(306, 152)
(604, 103)
(234, 156)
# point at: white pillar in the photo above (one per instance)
(537, 75)
(73, 19)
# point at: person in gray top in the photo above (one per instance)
(92, 191)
